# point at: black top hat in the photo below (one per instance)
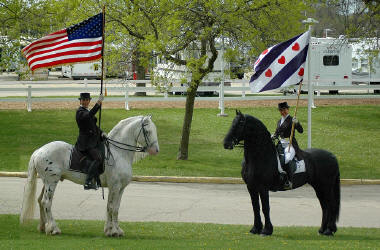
(283, 105)
(84, 96)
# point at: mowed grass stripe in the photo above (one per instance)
(350, 132)
(80, 234)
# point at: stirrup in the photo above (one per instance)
(90, 185)
(288, 185)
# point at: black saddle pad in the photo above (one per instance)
(80, 162)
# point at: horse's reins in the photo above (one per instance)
(132, 148)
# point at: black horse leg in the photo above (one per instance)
(264, 196)
(323, 203)
(331, 216)
(257, 225)
(326, 199)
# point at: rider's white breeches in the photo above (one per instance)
(289, 152)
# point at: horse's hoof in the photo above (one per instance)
(56, 232)
(320, 231)
(328, 232)
(121, 232)
(266, 232)
(255, 230)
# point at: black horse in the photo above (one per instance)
(260, 173)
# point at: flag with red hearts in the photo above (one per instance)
(281, 65)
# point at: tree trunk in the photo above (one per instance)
(184, 144)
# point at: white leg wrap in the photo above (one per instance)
(280, 170)
(289, 154)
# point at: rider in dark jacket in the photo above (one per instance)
(283, 132)
(90, 136)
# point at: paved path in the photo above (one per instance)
(189, 202)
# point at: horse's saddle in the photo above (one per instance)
(296, 169)
(293, 167)
(80, 162)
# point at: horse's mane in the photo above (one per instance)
(258, 135)
(122, 124)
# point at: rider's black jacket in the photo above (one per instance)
(89, 132)
(285, 129)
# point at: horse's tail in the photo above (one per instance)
(29, 198)
(336, 202)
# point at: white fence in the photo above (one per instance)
(120, 90)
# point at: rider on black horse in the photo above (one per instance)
(283, 132)
(90, 136)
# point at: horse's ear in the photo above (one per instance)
(238, 112)
(147, 117)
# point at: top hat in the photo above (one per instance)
(283, 105)
(84, 96)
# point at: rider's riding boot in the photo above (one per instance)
(92, 170)
(284, 179)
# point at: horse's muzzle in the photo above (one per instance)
(153, 150)
(228, 146)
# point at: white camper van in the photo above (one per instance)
(81, 71)
(330, 62)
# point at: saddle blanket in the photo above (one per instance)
(300, 167)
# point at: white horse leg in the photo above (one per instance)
(116, 213)
(47, 199)
(111, 227)
(41, 226)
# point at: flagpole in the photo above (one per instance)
(309, 97)
(102, 76)
(310, 92)
(295, 114)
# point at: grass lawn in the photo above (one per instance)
(80, 234)
(350, 132)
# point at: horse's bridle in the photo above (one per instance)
(131, 147)
(241, 125)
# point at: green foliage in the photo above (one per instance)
(353, 18)
(80, 234)
(347, 131)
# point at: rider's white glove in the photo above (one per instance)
(295, 120)
(104, 135)
(101, 98)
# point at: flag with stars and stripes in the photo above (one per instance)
(79, 43)
(281, 65)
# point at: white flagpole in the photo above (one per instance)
(309, 92)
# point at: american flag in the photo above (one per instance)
(281, 65)
(79, 43)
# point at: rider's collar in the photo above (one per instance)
(83, 107)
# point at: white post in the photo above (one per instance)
(221, 88)
(126, 97)
(85, 83)
(369, 74)
(310, 94)
(166, 91)
(29, 99)
(243, 92)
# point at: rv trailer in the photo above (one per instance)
(330, 62)
(81, 71)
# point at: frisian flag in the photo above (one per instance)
(79, 43)
(281, 65)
